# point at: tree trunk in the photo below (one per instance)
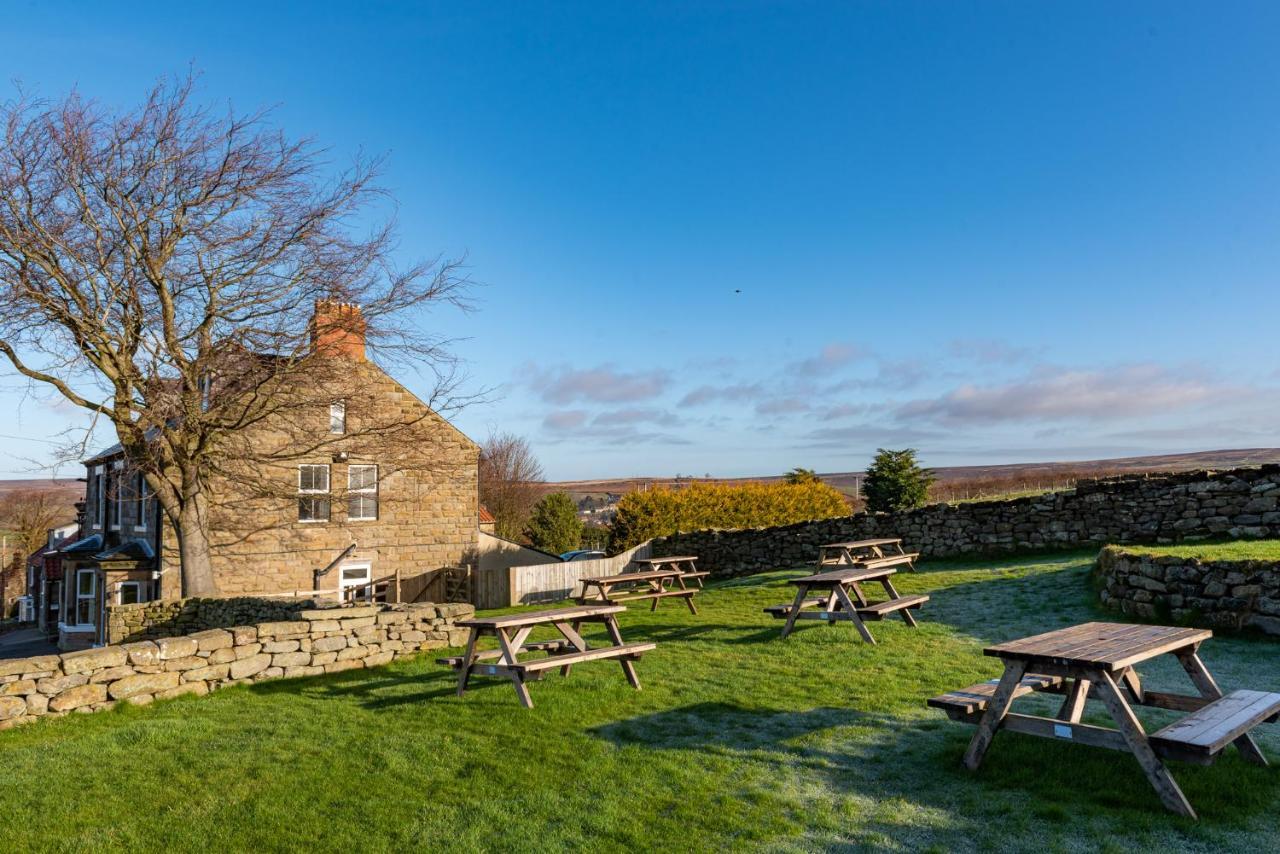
(194, 550)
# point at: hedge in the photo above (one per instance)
(700, 506)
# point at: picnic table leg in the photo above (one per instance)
(468, 660)
(1133, 684)
(858, 594)
(510, 647)
(522, 691)
(801, 592)
(1208, 688)
(894, 594)
(1073, 706)
(832, 603)
(693, 567)
(615, 635)
(577, 627)
(853, 614)
(993, 717)
(1136, 737)
(688, 600)
(571, 634)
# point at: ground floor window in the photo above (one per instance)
(130, 593)
(355, 582)
(86, 597)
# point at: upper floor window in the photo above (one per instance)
(117, 483)
(99, 496)
(338, 417)
(313, 493)
(206, 391)
(140, 497)
(362, 493)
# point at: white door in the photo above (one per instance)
(354, 582)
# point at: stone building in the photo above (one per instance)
(350, 519)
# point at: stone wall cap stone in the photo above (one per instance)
(93, 659)
(339, 613)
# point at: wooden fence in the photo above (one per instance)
(545, 582)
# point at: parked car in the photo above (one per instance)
(582, 554)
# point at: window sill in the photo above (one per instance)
(313, 521)
(88, 627)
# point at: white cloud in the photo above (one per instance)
(1065, 394)
(603, 384)
(829, 359)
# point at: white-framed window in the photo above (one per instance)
(338, 417)
(117, 482)
(99, 496)
(129, 592)
(362, 493)
(313, 493)
(140, 499)
(354, 583)
(86, 597)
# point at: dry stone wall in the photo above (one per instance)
(315, 641)
(1130, 509)
(168, 618)
(1215, 594)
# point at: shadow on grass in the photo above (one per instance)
(380, 687)
(886, 758)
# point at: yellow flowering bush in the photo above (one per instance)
(699, 506)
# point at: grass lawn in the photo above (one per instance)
(1235, 550)
(738, 740)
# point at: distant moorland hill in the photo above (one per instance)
(969, 482)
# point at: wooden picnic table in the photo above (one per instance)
(841, 598)
(1097, 661)
(687, 564)
(655, 584)
(512, 632)
(885, 551)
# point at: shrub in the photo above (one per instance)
(801, 475)
(554, 525)
(662, 512)
(895, 481)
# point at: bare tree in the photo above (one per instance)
(29, 514)
(159, 268)
(510, 482)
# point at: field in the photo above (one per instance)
(738, 740)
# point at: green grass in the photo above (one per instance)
(1234, 550)
(738, 741)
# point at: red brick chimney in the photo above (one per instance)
(337, 329)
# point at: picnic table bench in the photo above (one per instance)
(687, 564)
(885, 551)
(841, 598)
(633, 586)
(1097, 661)
(512, 632)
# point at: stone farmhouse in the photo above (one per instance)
(342, 522)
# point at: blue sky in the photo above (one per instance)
(733, 238)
